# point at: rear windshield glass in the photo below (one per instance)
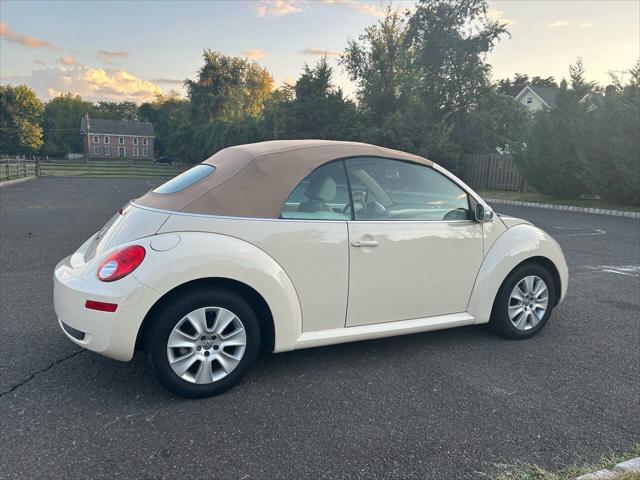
(185, 179)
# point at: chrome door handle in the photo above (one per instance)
(364, 243)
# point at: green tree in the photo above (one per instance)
(611, 143)
(579, 84)
(378, 64)
(423, 81)
(116, 110)
(550, 159)
(165, 112)
(312, 108)
(228, 88)
(61, 123)
(20, 118)
(509, 87)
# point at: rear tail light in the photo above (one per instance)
(121, 263)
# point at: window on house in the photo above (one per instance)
(145, 141)
(106, 139)
(135, 140)
(529, 100)
(107, 151)
(96, 139)
(96, 150)
(145, 152)
(136, 152)
(121, 140)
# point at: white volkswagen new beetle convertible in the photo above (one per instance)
(291, 244)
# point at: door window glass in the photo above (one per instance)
(386, 189)
(322, 195)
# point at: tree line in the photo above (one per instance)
(423, 85)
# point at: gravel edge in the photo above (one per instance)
(629, 466)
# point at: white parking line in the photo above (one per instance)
(592, 232)
(629, 270)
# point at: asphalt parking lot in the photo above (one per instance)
(449, 404)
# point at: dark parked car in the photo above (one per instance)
(165, 159)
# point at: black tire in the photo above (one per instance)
(175, 310)
(500, 321)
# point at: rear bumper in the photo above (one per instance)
(112, 334)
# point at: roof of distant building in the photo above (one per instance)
(116, 127)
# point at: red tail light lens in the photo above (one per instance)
(121, 263)
(101, 306)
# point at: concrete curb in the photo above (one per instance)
(630, 466)
(6, 183)
(569, 208)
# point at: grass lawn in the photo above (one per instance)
(542, 198)
(534, 472)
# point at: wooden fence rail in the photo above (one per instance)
(15, 168)
(482, 172)
(493, 171)
(107, 168)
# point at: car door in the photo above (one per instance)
(310, 242)
(414, 248)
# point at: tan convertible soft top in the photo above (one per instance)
(254, 180)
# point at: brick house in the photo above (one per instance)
(117, 138)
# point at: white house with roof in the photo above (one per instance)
(535, 98)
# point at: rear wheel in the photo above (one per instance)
(524, 302)
(204, 342)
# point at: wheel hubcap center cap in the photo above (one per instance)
(207, 344)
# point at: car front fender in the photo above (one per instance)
(513, 247)
(200, 255)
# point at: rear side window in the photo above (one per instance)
(322, 195)
(186, 179)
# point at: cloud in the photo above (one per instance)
(585, 25)
(30, 42)
(37, 61)
(320, 52)
(497, 16)
(68, 61)
(108, 57)
(558, 24)
(174, 81)
(360, 6)
(90, 83)
(278, 8)
(255, 54)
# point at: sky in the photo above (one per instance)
(122, 50)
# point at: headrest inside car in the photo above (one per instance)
(321, 188)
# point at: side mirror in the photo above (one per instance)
(483, 214)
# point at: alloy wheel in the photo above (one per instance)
(206, 345)
(528, 302)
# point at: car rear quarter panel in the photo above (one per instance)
(314, 255)
(201, 255)
(513, 247)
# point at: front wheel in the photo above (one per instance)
(524, 302)
(204, 342)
